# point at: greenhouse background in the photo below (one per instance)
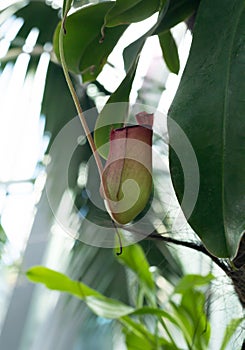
(35, 106)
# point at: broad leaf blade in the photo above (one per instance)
(85, 51)
(58, 281)
(178, 11)
(209, 107)
(130, 11)
(98, 303)
(169, 51)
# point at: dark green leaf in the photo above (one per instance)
(33, 16)
(191, 281)
(209, 107)
(133, 257)
(178, 11)
(85, 50)
(130, 11)
(56, 110)
(131, 52)
(114, 113)
(169, 51)
(112, 117)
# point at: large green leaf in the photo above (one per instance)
(58, 281)
(178, 11)
(98, 303)
(210, 107)
(130, 11)
(85, 51)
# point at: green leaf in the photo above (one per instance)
(85, 50)
(134, 258)
(209, 107)
(3, 237)
(190, 281)
(33, 16)
(135, 342)
(114, 116)
(138, 330)
(108, 308)
(169, 51)
(58, 281)
(98, 303)
(131, 52)
(191, 319)
(230, 331)
(155, 312)
(130, 11)
(178, 11)
(114, 113)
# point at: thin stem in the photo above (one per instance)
(83, 120)
(119, 238)
(192, 245)
(197, 246)
(76, 101)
